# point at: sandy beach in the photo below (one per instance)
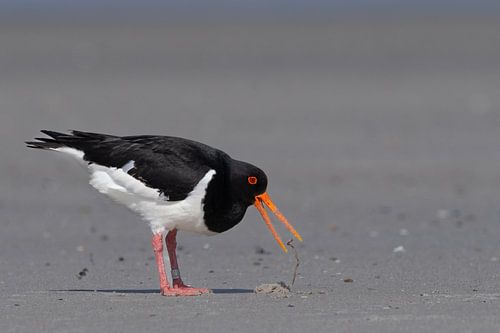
(380, 138)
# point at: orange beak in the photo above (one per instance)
(264, 198)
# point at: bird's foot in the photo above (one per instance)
(183, 290)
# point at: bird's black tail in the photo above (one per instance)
(47, 143)
(58, 140)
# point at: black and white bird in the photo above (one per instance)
(173, 184)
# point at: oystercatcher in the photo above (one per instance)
(174, 184)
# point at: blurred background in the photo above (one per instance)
(337, 89)
(377, 122)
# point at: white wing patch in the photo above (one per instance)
(104, 179)
(128, 166)
(78, 154)
(154, 207)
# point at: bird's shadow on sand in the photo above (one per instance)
(151, 291)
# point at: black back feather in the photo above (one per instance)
(170, 164)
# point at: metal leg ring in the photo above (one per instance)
(176, 273)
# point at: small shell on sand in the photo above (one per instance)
(280, 289)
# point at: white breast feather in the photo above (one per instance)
(148, 202)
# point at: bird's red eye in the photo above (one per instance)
(252, 180)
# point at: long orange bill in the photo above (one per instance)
(264, 198)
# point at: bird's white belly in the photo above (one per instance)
(149, 203)
(161, 214)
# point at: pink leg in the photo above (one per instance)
(178, 286)
(157, 242)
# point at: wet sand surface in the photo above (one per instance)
(380, 137)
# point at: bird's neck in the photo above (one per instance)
(225, 217)
(222, 208)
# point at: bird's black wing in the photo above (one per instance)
(172, 165)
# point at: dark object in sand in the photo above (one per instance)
(82, 273)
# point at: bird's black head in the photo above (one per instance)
(247, 182)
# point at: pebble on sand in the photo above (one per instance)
(399, 249)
